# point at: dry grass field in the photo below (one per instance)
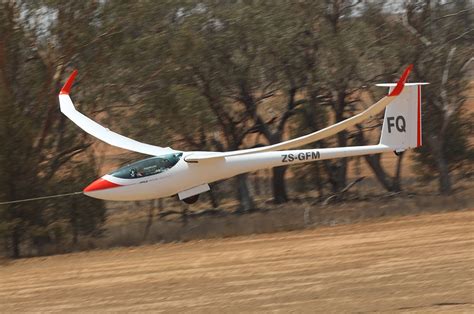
(421, 263)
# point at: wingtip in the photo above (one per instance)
(67, 87)
(401, 83)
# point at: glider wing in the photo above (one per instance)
(315, 136)
(104, 134)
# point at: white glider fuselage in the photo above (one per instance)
(186, 175)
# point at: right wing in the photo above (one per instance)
(315, 136)
(104, 134)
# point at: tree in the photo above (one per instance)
(37, 139)
(442, 36)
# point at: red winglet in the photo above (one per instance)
(67, 87)
(401, 83)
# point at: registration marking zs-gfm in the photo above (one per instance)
(300, 156)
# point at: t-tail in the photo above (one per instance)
(402, 127)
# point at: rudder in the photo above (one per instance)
(401, 127)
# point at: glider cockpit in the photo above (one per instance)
(147, 167)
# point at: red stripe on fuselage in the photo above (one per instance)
(100, 184)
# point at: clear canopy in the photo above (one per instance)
(147, 167)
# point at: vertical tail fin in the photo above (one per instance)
(401, 127)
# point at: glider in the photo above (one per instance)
(188, 174)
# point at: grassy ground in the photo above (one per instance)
(418, 263)
(127, 225)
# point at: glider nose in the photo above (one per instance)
(100, 184)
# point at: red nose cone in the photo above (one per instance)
(100, 184)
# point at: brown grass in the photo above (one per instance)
(416, 264)
(126, 227)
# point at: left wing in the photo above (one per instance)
(315, 136)
(104, 134)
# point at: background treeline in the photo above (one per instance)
(216, 75)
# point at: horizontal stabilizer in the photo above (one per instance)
(395, 84)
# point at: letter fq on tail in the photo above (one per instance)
(401, 127)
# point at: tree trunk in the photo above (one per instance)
(184, 214)
(16, 242)
(279, 187)
(339, 167)
(280, 195)
(319, 182)
(257, 181)
(341, 174)
(396, 184)
(74, 224)
(374, 161)
(444, 178)
(213, 197)
(243, 194)
(337, 173)
(151, 210)
(442, 165)
(382, 177)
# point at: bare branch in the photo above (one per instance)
(444, 81)
(452, 14)
(461, 36)
(350, 6)
(413, 30)
(466, 65)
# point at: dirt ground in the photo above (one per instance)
(420, 263)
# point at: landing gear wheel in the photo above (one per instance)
(192, 199)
